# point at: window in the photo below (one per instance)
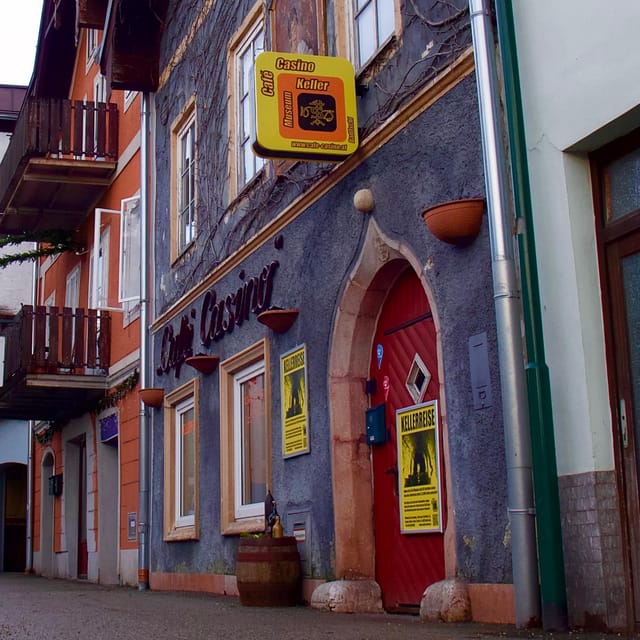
(374, 25)
(92, 45)
(181, 463)
(183, 151)
(129, 250)
(72, 289)
(99, 272)
(245, 439)
(129, 97)
(244, 50)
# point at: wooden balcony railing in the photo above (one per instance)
(58, 129)
(61, 341)
(73, 127)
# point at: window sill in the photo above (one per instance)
(246, 525)
(181, 534)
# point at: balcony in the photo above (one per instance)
(62, 157)
(56, 362)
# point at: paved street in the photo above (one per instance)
(42, 609)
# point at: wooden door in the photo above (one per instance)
(616, 171)
(405, 367)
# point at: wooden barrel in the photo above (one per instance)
(268, 572)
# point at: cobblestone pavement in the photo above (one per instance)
(38, 608)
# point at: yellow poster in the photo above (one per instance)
(419, 468)
(295, 417)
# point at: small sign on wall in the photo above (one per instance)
(418, 442)
(295, 414)
(305, 107)
(132, 525)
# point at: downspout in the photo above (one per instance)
(28, 566)
(145, 364)
(507, 307)
(545, 473)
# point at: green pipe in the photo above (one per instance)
(553, 599)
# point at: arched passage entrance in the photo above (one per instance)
(380, 263)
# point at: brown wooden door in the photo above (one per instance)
(403, 362)
(617, 196)
(623, 265)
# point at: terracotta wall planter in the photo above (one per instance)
(152, 397)
(456, 222)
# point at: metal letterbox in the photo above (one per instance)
(376, 428)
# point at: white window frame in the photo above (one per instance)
(129, 97)
(72, 288)
(182, 520)
(92, 46)
(383, 11)
(128, 271)
(177, 526)
(237, 518)
(99, 271)
(186, 197)
(183, 234)
(99, 95)
(95, 267)
(244, 510)
(249, 42)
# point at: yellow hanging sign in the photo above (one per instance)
(305, 107)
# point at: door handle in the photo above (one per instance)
(623, 424)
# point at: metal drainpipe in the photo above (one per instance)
(507, 306)
(28, 568)
(145, 365)
(545, 474)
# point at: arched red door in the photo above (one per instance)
(405, 367)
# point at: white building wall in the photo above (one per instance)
(577, 71)
(13, 441)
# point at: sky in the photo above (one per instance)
(19, 24)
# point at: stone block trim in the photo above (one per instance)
(348, 596)
(593, 550)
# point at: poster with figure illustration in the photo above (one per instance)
(419, 468)
(295, 416)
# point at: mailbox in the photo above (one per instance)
(55, 485)
(376, 427)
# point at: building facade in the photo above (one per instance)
(377, 313)
(582, 154)
(70, 182)
(14, 434)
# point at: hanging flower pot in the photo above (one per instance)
(203, 363)
(278, 320)
(152, 396)
(457, 221)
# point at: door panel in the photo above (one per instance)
(405, 563)
(623, 267)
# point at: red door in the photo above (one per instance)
(404, 360)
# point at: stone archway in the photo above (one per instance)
(380, 262)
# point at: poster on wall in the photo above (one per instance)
(295, 416)
(419, 468)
